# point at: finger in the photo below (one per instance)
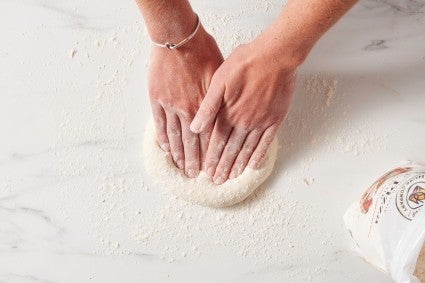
(160, 126)
(191, 150)
(262, 147)
(209, 107)
(175, 138)
(204, 139)
(230, 152)
(245, 154)
(219, 137)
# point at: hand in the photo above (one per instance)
(248, 99)
(178, 81)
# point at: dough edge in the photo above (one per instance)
(202, 190)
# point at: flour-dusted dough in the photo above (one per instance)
(202, 190)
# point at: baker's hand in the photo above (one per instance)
(248, 99)
(178, 81)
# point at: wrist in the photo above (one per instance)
(171, 27)
(201, 42)
(283, 52)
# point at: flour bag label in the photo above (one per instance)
(388, 223)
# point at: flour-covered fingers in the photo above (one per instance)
(245, 154)
(263, 146)
(230, 152)
(217, 143)
(210, 106)
(160, 126)
(191, 149)
(204, 139)
(175, 137)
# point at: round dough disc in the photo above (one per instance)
(202, 190)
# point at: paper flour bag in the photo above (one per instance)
(388, 224)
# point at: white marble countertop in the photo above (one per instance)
(76, 205)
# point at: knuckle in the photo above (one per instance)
(261, 155)
(256, 159)
(208, 109)
(173, 133)
(192, 163)
(212, 162)
(241, 164)
(190, 142)
(268, 141)
(218, 145)
(245, 126)
(244, 129)
(256, 132)
(226, 162)
(177, 155)
(233, 151)
(223, 168)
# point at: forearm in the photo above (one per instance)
(168, 20)
(301, 24)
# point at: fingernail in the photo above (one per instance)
(180, 164)
(219, 180)
(165, 147)
(210, 171)
(196, 126)
(191, 173)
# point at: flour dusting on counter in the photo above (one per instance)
(257, 229)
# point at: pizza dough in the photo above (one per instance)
(202, 190)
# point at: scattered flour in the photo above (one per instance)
(258, 229)
(316, 85)
(321, 120)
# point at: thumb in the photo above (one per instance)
(208, 109)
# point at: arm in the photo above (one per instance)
(178, 79)
(251, 92)
(301, 24)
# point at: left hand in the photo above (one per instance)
(248, 98)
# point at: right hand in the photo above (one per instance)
(178, 81)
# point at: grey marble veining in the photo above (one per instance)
(393, 7)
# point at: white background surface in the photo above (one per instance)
(71, 172)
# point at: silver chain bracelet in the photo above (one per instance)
(172, 46)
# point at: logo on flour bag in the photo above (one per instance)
(401, 185)
(367, 199)
(411, 196)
